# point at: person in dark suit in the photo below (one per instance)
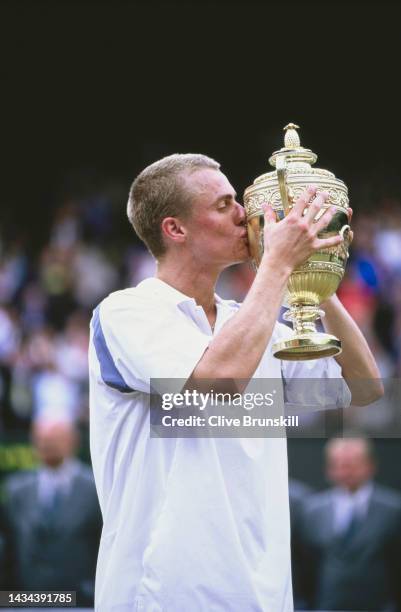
(352, 535)
(52, 518)
(298, 493)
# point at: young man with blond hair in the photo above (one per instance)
(199, 523)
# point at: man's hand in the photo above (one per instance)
(291, 241)
(357, 363)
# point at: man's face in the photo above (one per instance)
(349, 465)
(53, 442)
(217, 233)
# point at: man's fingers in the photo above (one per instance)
(304, 199)
(325, 243)
(316, 205)
(325, 219)
(270, 215)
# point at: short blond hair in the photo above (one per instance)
(160, 191)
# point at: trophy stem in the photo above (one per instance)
(306, 342)
(303, 318)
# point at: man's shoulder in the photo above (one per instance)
(83, 479)
(83, 471)
(298, 490)
(17, 484)
(387, 497)
(127, 295)
(137, 311)
(143, 296)
(318, 502)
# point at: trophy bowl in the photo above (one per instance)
(318, 278)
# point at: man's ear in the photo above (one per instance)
(173, 229)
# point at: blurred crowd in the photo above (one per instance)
(46, 299)
(371, 290)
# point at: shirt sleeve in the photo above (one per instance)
(136, 341)
(315, 384)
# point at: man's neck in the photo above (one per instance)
(199, 285)
(357, 490)
(58, 467)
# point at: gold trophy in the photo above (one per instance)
(318, 278)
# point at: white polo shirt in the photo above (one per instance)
(190, 524)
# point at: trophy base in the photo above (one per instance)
(302, 347)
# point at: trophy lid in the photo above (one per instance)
(292, 149)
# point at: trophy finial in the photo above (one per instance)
(291, 138)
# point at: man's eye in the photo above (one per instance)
(222, 205)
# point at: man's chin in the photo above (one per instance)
(241, 259)
(247, 255)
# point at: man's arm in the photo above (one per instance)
(235, 352)
(356, 360)
(237, 349)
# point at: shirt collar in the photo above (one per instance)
(360, 497)
(157, 286)
(66, 469)
(59, 478)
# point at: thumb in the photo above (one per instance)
(269, 214)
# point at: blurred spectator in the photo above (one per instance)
(57, 279)
(66, 228)
(33, 307)
(52, 518)
(352, 535)
(10, 335)
(94, 276)
(71, 348)
(387, 239)
(298, 492)
(140, 265)
(13, 272)
(54, 396)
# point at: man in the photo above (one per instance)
(353, 534)
(298, 493)
(52, 518)
(198, 523)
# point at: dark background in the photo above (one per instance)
(102, 89)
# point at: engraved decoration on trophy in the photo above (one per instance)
(318, 278)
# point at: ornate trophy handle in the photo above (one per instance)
(343, 230)
(281, 167)
(291, 142)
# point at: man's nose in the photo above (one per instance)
(240, 214)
